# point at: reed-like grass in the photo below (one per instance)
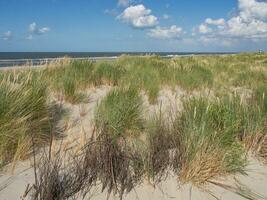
(24, 117)
(210, 137)
(107, 73)
(205, 135)
(69, 78)
(121, 112)
(157, 147)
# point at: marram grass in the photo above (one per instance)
(23, 115)
(210, 136)
(121, 112)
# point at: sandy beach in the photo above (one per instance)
(13, 187)
(179, 94)
(13, 184)
(133, 100)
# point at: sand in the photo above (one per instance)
(79, 122)
(12, 186)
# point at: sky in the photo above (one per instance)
(133, 25)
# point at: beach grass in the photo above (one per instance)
(206, 133)
(121, 113)
(210, 136)
(24, 116)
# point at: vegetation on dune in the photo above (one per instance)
(201, 144)
(121, 113)
(208, 138)
(107, 73)
(156, 149)
(24, 115)
(152, 73)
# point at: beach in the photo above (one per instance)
(180, 128)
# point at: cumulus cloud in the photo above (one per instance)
(34, 29)
(139, 17)
(253, 9)
(203, 28)
(250, 23)
(172, 32)
(253, 29)
(217, 22)
(8, 36)
(206, 27)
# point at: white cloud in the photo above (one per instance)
(34, 29)
(238, 27)
(172, 32)
(203, 28)
(218, 22)
(124, 3)
(253, 9)
(139, 17)
(8, 36)
(249, 24)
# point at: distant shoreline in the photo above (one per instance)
(9, 62)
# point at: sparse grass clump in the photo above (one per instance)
(255, 134)
(107, 73)
(206, 140)
(121, 111)
(157, 147)
(250, 78)
(189, 75)
(213, 136)
(24, 116)
(71, 93)
(145, 79)
(195, 78)
(69, 79)
(78, 72)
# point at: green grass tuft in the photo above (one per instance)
(121, 112)
(23, 114)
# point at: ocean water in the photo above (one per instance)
(9, 59)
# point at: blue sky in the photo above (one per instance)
(133, 25)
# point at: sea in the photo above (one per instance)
(10, 59)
